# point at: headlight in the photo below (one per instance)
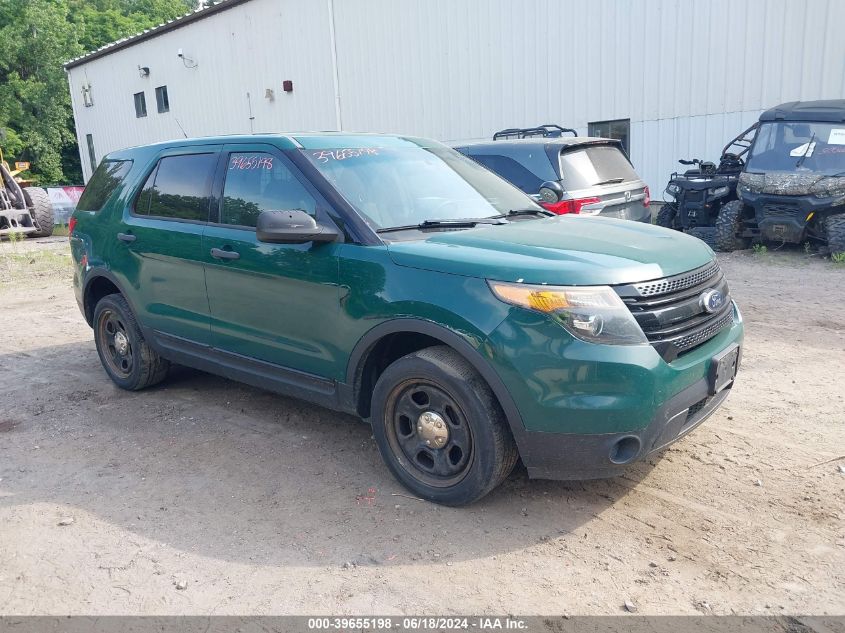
(718, 192)
(594, 314)
(673, 189)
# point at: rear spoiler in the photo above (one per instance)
(548, 130)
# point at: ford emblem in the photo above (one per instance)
(711, 300)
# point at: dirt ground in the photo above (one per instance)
(203, 496)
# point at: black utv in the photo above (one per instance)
(792, 188)
(698, 194)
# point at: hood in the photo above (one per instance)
(792, 184)
(565, 250)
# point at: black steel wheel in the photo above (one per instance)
(440, 429)
(127, 358)
(115, 341)
(427, 426)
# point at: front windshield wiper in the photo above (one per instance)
(806, 151)
(467, 223)
(526, 211)
(609, 181)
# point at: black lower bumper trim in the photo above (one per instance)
(568, 456)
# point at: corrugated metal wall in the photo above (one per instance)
(688, 75)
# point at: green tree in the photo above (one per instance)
(36, 38)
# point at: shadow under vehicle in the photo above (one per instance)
(792, 188)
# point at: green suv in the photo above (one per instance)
(393, 278)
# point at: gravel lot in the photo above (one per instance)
(202, 496)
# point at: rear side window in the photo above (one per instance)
(179, 188)
(512, 171)
(592, 165)
(256, 182)
(103, 183)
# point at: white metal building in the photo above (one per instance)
(680, 77)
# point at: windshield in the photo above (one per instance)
(595, 165)
(403, 186)
(798, 147)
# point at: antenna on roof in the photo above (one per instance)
(185, 134)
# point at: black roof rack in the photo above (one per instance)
(547, 130)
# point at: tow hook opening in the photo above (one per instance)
(625, 450)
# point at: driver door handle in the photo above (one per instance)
(126, 237)
(219, 253)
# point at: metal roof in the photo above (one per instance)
(832, 110)
(179, 22)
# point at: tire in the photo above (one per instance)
(667, 215)
(834, 227)
(435, 395)
(706, 234)
(728, 226)
(127, 358)
(41, 210)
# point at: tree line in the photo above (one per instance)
(36, 38)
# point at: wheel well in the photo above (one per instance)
(386, 350)
(96, 290)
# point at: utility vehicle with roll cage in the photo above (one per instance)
(792, 187)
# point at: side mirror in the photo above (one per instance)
(291, 227)
(551, 192)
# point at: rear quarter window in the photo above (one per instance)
(178, 188)
(512, 171)
(103, 184)
(524, 167)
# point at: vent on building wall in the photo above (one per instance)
(87, 99)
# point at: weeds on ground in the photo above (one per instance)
(17, 267)
(760, 249)
(838, 258)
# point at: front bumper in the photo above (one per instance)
(587, 411)
(585, 456)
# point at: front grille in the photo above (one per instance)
(670, 313)
(693, 195)
(678, 282)
(781, 210)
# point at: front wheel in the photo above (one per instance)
(439, 428)
(667, 215)
(729, 226)
(834, 226)
(126, 356)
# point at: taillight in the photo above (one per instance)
(647, 199)
(71, 224)
(569, 206)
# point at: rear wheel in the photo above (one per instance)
(706, 234)
(439, 428)
(667, 216)
(834, 226)
(127, 358)
(729, 226)
(41, 210)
